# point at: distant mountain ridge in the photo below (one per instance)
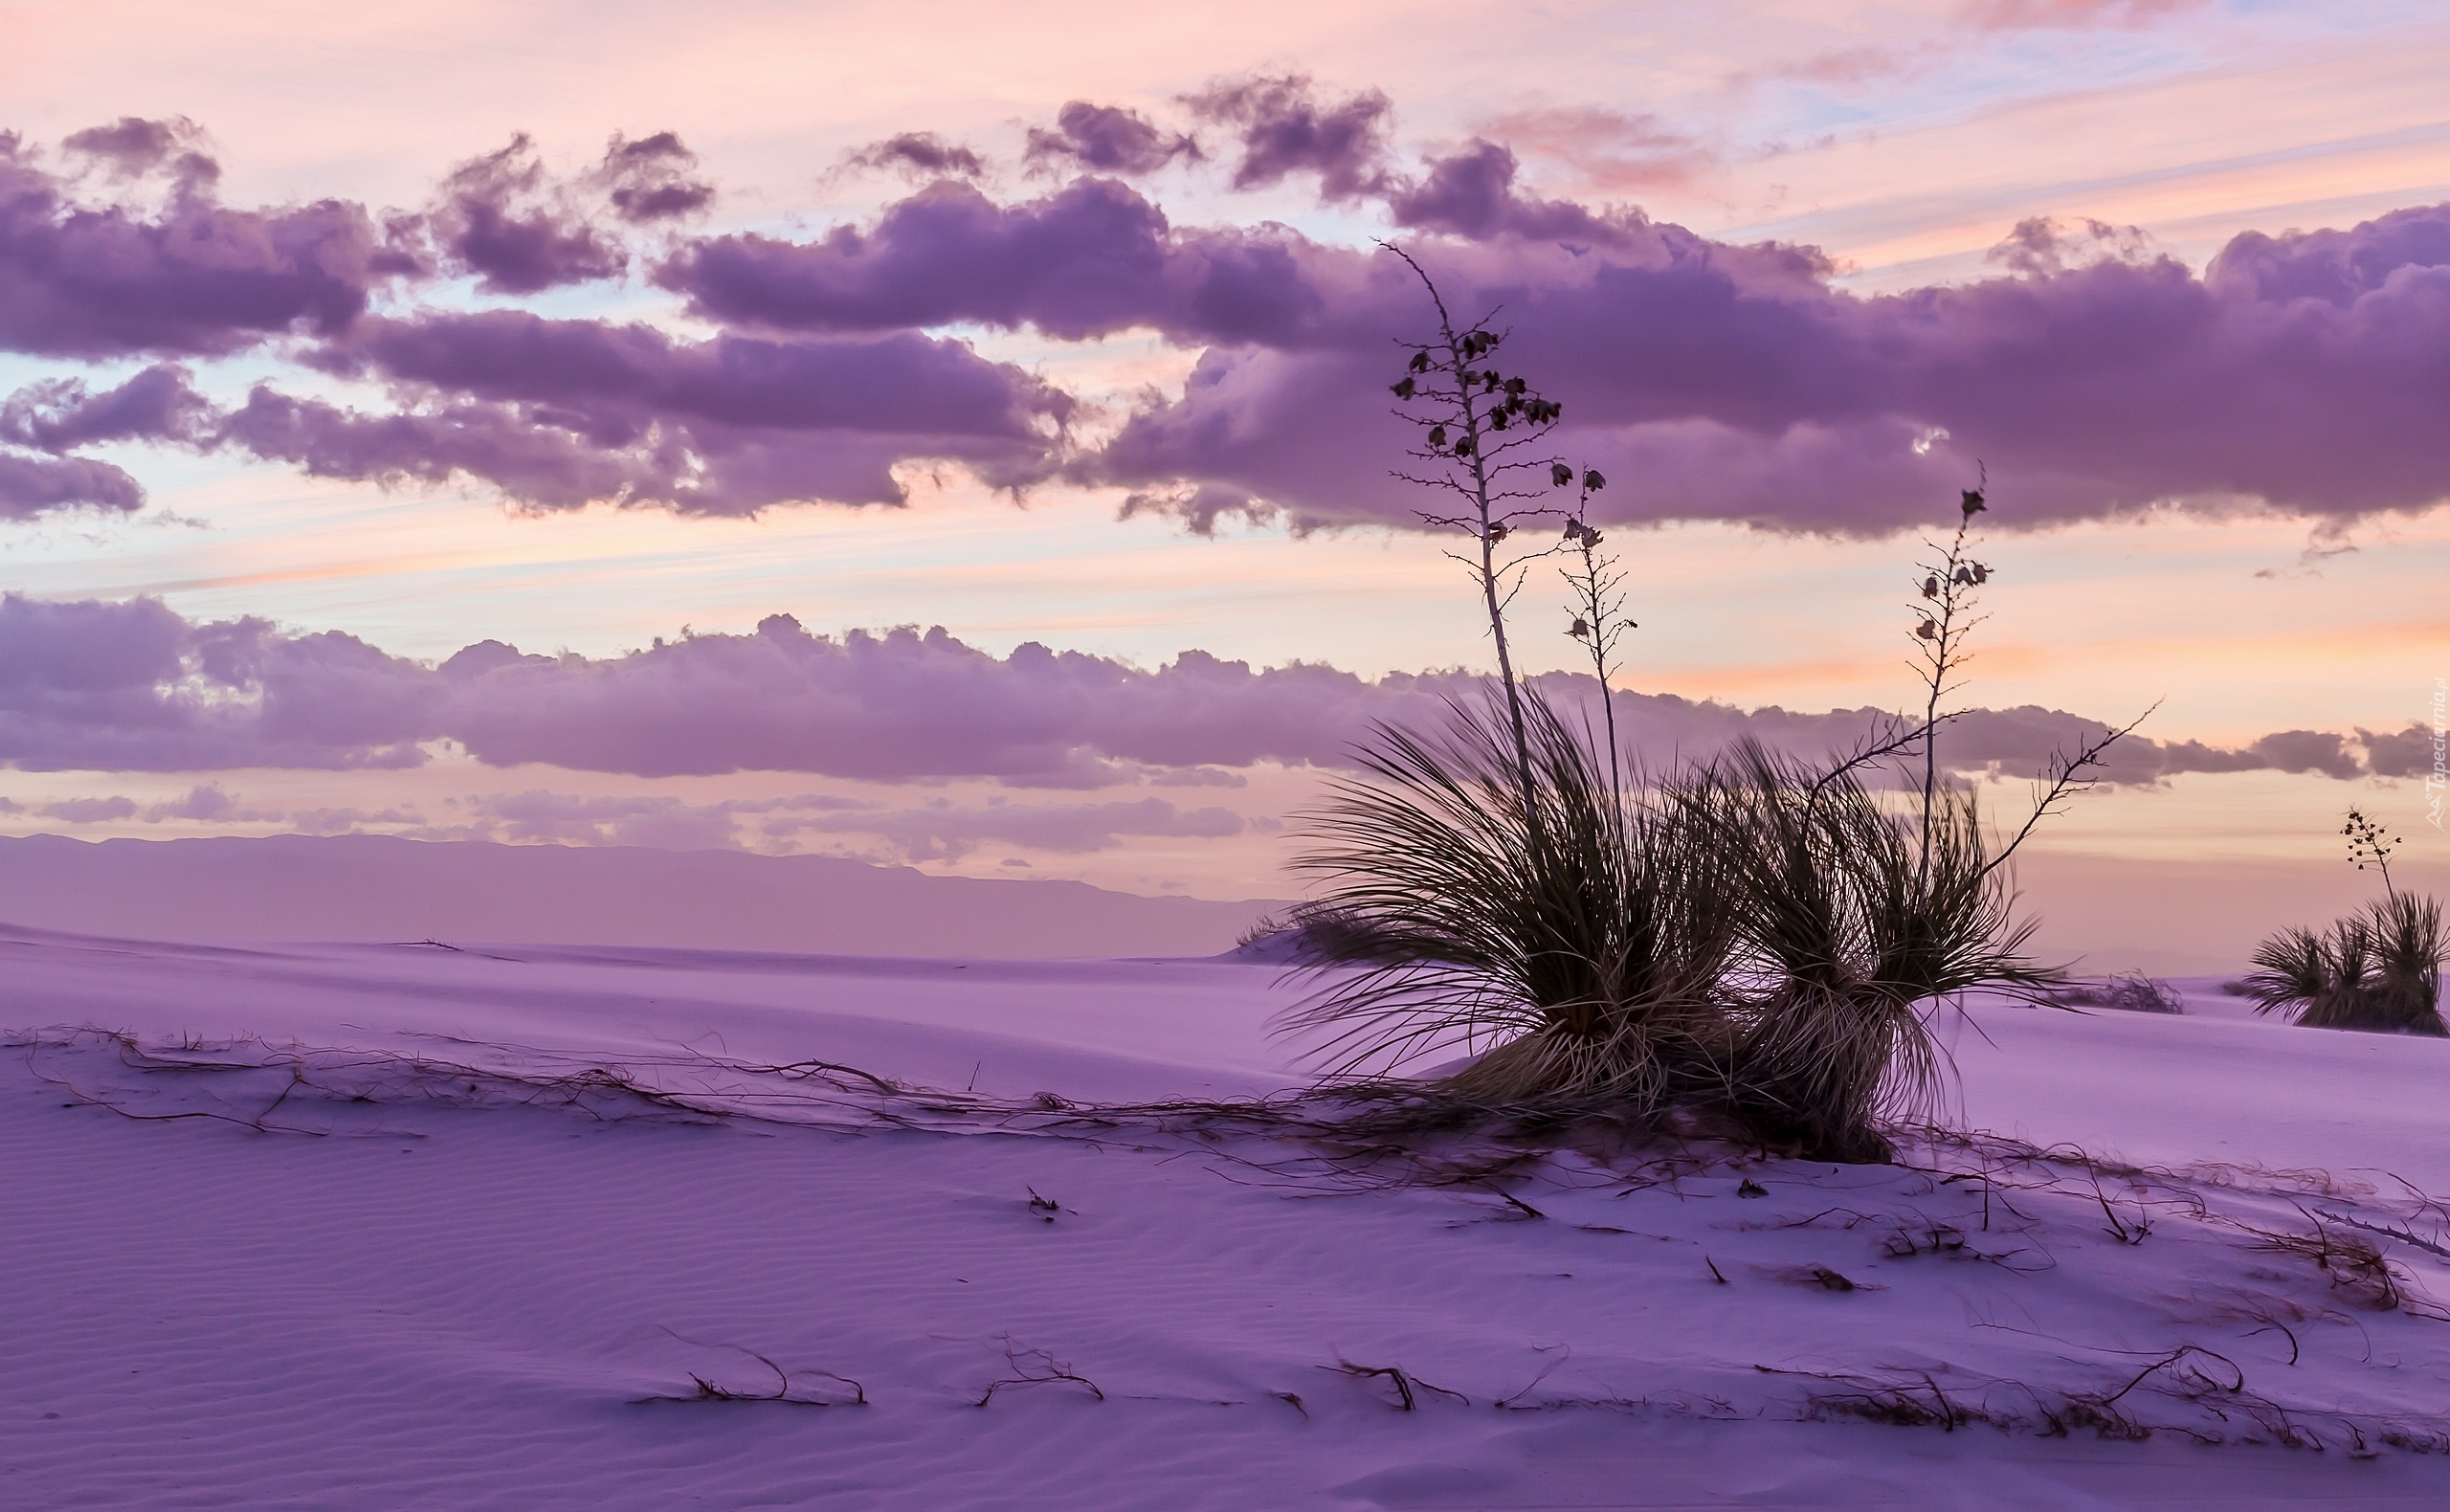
(383, 887)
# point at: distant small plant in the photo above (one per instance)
(2134, 993)
(2128, 991)
(2378, 970)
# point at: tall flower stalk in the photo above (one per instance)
(1480, 431)
(1951, 583)
(1599, 618)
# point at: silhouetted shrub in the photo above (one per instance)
(2379, 968)
(2128, 991)
(1756, 938)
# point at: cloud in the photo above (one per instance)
(665, 823)
(192, 278)
(564, 413)
(132, 146)
(506, 218)
(134, 686)
(2068, 16)
(500, 217)
(1709, 380)
(1975, 22)
(1105, 138)
(904, 705)
(206, 802)
(90, 685)
(2041, 245)
(652, 180)
(938, 831)
(31, 486)
(559, 413)
(58, 415)
(1093, 259)
(948, 832)
(657, 820)
(1471, 194)
(88, 811)
(920, 154)
(2404, 753)
(1609, 149)
(1285, 128)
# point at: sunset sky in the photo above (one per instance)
(1047, 346)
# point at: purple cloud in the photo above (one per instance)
(1285, 129)
(920, 154)
(190, 279)
(542, 466)
(898, 705)
(562, 413)
(938, 831)
(206, 802)
(1717, 382)
(1471, 194)
(1707, 380)
(1106, 139)
(33, 486)
(2407, 753)
(1093, 259)
(556, 413)
(664, 822)
(133, 147)
(61, 415)
(133, 686)
(948, 832)
(500, 217)
(89, 811)
(2041, 245)
(504, 218)
(2070, 15)
(652, 180)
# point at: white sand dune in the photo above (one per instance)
(349, 1227)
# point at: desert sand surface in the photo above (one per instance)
(499, 1226)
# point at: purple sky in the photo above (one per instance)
(533, 463)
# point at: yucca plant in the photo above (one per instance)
(2379, 968)
(1856, 918)
(2409, 950)
(1576, 944)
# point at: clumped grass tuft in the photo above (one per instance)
(1755, 940)
(2133, 993)
(1855, 917)
(1575, 945)
(2378, 970)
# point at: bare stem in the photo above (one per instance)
(1451, 358)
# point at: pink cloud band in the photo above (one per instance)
(132, 686)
